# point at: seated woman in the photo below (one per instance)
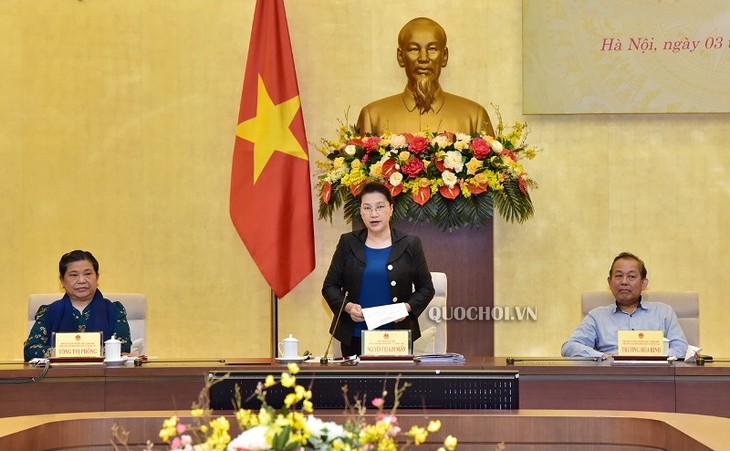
(82, 309)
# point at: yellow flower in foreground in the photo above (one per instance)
(270, 381)
(450, 443)
(265, 417)
(434, 425)
(197, 413)
(246, 418)
(419, 434)
(290, 399)
(287, 380)
(293, 368)
(169, 428)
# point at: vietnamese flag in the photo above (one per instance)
(271, 204)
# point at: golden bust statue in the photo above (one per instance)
(422, 53)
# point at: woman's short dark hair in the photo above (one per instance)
(76, 256)
(377, 187)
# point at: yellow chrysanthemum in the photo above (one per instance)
(293, 368)
(270, 381)
(355, 177)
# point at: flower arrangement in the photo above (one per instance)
(448, 179)
(289, 429)
(292, 427)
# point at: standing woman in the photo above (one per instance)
(82, 309)
(376, 266)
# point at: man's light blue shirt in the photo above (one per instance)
(597, 334)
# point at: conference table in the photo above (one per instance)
(542, 383)
(543, 403)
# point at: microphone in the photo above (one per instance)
(324, 359)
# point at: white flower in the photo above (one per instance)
(398, 142)
(350, 149)
(496, 146)
(449, 178)
(324, 430)
(441, 141)
(253, 439)
(336, 174)
(453, 160)
(396, 178)
(463, 137)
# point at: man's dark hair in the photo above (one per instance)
(630, 256)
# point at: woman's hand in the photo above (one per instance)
(355, 312)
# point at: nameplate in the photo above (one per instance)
(77, 344)
(386, 342)
(641, 342)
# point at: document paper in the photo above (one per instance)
(384, 314)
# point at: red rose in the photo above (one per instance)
(417, 144)
(413, 167)
(480, 148)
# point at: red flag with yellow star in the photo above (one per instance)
(271, 204)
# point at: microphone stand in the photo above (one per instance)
(324, 359)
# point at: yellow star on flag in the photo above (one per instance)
(269, 129)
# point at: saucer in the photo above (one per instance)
(116, 362)
(291, 359)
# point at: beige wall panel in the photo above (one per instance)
(117, 136)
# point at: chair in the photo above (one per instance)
(134, 303)
(686, 305)
(433, 334)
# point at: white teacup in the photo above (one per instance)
(113, 349)
(289, 347)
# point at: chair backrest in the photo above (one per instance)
(433, 338)
(686, 305)
(134, 303)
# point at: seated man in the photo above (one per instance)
(597, 334)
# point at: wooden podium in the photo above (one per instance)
(467, 257)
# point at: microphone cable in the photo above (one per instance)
(28, 380)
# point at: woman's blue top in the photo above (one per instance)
(375, 287)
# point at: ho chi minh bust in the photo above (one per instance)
(422, 52)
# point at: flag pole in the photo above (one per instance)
(274, 324)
